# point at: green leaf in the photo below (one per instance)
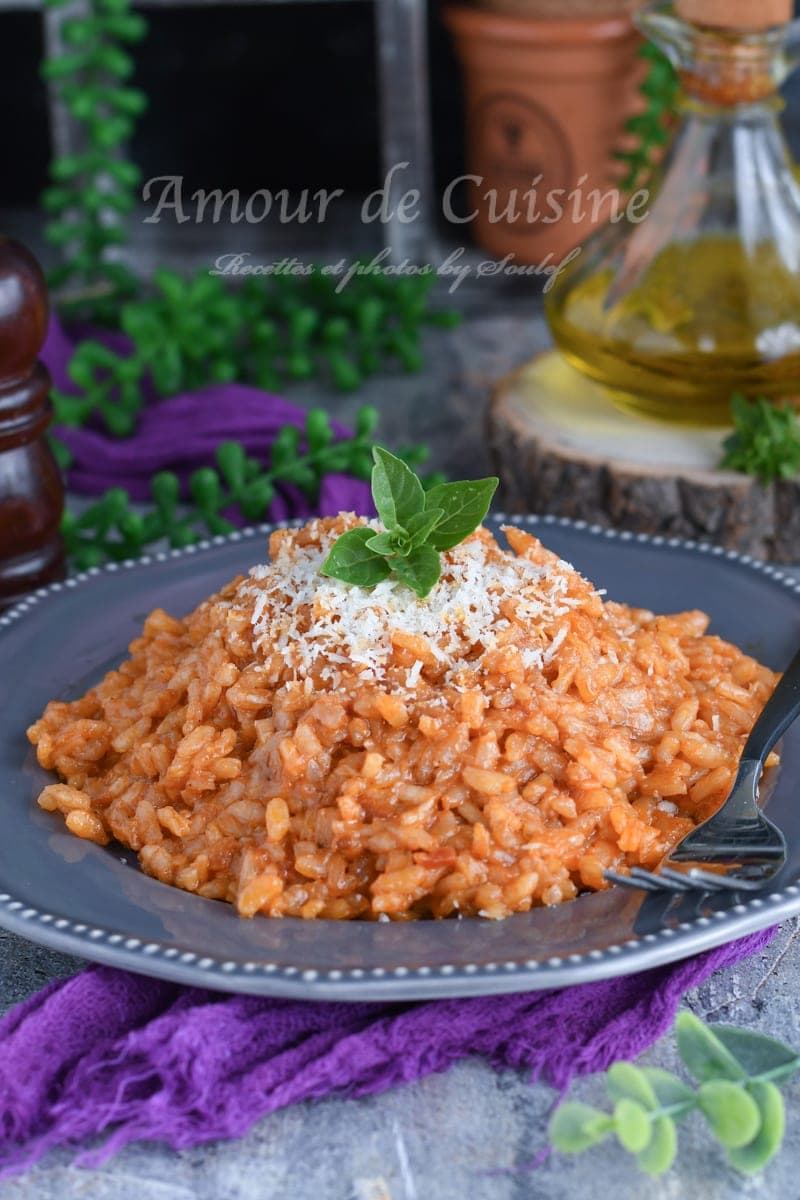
(61, 453)
(181, 535)
(130, 101)
(632, 1125)
(704, 1054)
(284, 447)
(396, 490)
(205, 487)
(87, 556)
(128, 27)
(319, 434)
(57, 199)
(757, 1153)
(352, 561)
(756, 1053)
(63, 66)
(765, 441)
(367, 419)
(420, 570)
(624, 1081)
(576, 1127)
(730, 1111)
(387, 544)
(465, 506)
(165, 489)
(659, 1155)
(346, 375)
(669, 1089)
(125, 173)
(422, 524)
(256, 498)
(231, 459)
(113, 59)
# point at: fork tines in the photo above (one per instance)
(693, 880)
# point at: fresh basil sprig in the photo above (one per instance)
(737, 1072)
(418, 527)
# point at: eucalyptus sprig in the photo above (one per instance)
(765, 441)
(737, 1071)
(417, 527)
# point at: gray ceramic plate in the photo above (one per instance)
(94, 902)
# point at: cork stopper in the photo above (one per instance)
(741, 16)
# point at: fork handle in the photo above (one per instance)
(780, 711)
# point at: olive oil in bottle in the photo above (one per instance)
(699, 297)
(704, 320)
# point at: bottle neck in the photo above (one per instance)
(719, 67)
(725, 71)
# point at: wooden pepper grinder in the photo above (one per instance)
(31, 489)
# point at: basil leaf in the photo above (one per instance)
(576, 1127)
(703, 1053)
(465, 506)
(422, 524)
(756, 1053)
(396, 490)
(420, 570)
(730, 1111)
(766, 1143)
(383, 543)
(351, 560)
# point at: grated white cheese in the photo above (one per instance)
(318, 625)
(552, 649)
(412, 675)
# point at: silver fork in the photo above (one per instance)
(740, 849)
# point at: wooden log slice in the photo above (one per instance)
(560, 446)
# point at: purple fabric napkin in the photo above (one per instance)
(181, 434)
(117, 1055)
(114, 1054)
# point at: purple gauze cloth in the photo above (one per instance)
(136, 1059)
(116, 1054)
(182, 433)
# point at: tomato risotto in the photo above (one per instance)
(302, 747)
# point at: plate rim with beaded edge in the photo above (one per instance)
(94, 903)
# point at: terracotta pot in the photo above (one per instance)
(544, 98)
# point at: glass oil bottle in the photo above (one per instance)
(700, 298)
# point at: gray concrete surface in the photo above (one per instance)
(466, 1135)
(469, 1134)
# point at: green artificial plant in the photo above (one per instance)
(93, 189)
(650, 130)
(736, 1074)
(112, 529)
